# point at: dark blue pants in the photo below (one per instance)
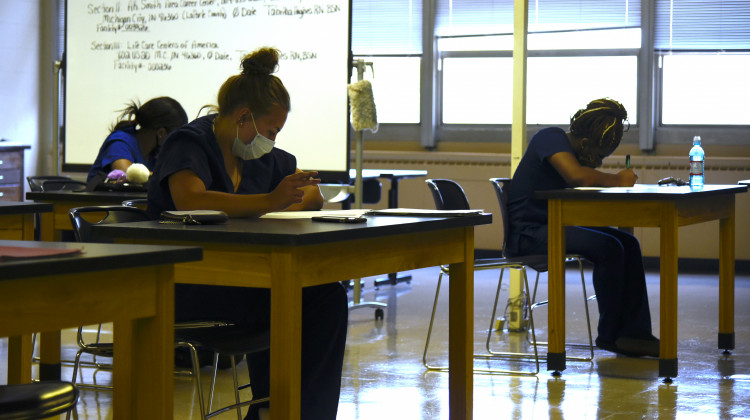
(619, 278)
(325, 313)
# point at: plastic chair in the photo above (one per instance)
(36, 181)
(501, 185)
(448, 195)
(37, 400)
(57, 182)
(371, 191)
(63, 185)
(232, 341)
(218, 336)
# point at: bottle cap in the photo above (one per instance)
(696, 139)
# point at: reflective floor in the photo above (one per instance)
(384, 377)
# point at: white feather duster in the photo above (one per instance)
(362, 105)
(138, 173)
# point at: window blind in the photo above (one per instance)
(386, 27)
(477, 17)
(702, 25)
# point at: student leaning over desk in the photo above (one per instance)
(555, 159)
(226, 161)
(137, 136)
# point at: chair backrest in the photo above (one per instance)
(36, 181)
(371, 191)
(448, 194)
(63, 185)
(501, 186)
(108, 214)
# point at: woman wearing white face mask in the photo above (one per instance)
(227, 161)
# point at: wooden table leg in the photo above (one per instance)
(19, 347)
(19, 359)
(28, 227)
(49, 341)
(286, 335)
(50, 367)
(143, 376)
(668, 292)
(556, 286)
(47, 228)
(461, 333)
(726, 281)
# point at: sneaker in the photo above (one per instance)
(638, 347)
(606, 345)
(631, 347)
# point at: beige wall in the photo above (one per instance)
(472, 171)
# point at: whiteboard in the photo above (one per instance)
(122, 50)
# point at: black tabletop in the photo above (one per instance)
(85, 196)
(286, 231)
(93, 257)
(641, 191)
(389, 173)
(22, 207)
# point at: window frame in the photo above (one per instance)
(730, 135)
(495, 132)
(646, 134)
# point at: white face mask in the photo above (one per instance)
(260, 145)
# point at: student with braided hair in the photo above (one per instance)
(557, 159)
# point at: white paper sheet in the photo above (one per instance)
(425, 212)
(311, 214)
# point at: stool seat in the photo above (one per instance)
(230, 340)
(36, 400)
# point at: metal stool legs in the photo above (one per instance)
(497, 355)
(586, 300)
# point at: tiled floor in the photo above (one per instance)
(384, 377)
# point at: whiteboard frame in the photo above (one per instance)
(100, 126)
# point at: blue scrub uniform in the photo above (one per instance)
(325, 308)
(619, 277)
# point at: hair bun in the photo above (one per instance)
(261, 62)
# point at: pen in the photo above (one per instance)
(627, 161)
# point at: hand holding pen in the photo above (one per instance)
(627, 168)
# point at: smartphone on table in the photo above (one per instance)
(340, 219)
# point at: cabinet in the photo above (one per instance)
(11, 172)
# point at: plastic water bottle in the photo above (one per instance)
(697, 158)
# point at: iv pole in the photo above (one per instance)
(360, 65)
(359, 140)
(55, 118)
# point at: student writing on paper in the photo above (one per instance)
(557, 159)
(137, 136)
(227, 161)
